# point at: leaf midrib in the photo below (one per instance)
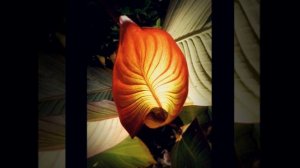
(152, 91)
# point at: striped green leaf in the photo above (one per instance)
(189, 23)
(99, 84)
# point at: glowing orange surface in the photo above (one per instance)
(150, 77)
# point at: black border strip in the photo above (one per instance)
(279, 85)
(76, 67)
(223, 154)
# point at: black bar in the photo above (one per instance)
(76, 119)
(223, 154)
(279, 96)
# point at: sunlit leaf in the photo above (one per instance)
(105, 134)
(192, 150)
(130, 153)
(104, 131)
(150, 77)
(104, 127)
(189, 22)
(107, 142)
(185, 17)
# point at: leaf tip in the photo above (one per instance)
(123, 19)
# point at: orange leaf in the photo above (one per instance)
(150, 77)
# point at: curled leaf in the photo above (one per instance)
(150, 77)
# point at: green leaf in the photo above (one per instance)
(98, 95)
(130, 153)
(158, 23)
(192, 150)
(51, 107)
(189, 113)
(99, 84)
(98, 111)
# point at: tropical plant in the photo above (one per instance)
(183, 140)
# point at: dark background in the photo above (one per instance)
(100, 30)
